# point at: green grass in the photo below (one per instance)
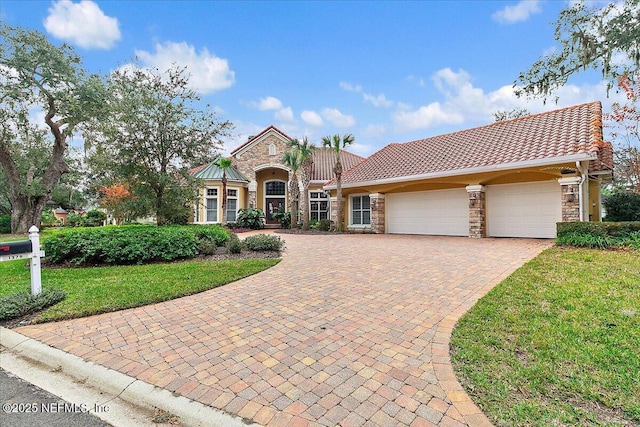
(557, 343)
(103, 289)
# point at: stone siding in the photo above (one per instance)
(377, 213)
(477, 211)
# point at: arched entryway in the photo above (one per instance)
(272, 191)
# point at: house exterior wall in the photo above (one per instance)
(201, 205)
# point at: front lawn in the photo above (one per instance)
(557, 343)
(101, 289)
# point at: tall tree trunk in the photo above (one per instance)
(24, 215)
(306, 177)
(340, 214)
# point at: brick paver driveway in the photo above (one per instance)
(347, 330)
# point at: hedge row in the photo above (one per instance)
(132, 245)
(599, 234)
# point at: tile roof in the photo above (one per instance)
(212, 171)
(571, 131)
(324, 158)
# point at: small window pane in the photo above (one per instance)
(366, 217)
(275, 188)
(365, 202)
(212, 191)
(232, 205)
(357, 217)
(356, 203)
(232, 193)
(212, 210)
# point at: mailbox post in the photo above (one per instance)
(36, 279)
(26, 249)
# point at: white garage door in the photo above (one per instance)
(438, 212)
(524, 210)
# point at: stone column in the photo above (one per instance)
(477, 211)
(377, 213)
(570, 198)
(333, 203)
(253, 194)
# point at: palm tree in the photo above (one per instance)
(337, 144)
(291, 159)
(223, 164)
(305, 151)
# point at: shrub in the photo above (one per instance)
(264, 242)
(284, 218)
(234, 244)
(207, 248)
(599, 234)
(94, 218)
(122, 245)
(250, 218)
(622, 206)
(5, 224)
(324, 225)
(213, 233)
(19, 304)
(74, 220)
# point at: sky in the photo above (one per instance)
(384, 71)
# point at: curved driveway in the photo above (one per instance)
(347, 330)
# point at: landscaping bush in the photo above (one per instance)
(284, 218)
(74, 220)
(212, 233)
(122, 245)
(94, 218)
(622, 206)
(599, 235)
(250, 218)
(5, 224)
(264, 242)
(234, 244)
(19, 304)
(324, 225)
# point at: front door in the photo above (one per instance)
(273, 205)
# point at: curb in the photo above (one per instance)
(114, 384)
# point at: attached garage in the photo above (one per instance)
(524, 210)
(438, 212)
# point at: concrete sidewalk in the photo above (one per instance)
(346, 330)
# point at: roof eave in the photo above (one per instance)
(469, 171)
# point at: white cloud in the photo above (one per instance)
(351, 88)
(377, 101)
(425, 117)
(419, 80)
(464, 103)
(336, 118)
(285, 114)
(520, 12)
(268, 103)
(312, 118)
(83, 24)
(208, 72)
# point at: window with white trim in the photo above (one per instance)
(318, 205)
(211, 203)
(232, 204)
(272, 149)
(360, 210)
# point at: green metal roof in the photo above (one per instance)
(213, 171)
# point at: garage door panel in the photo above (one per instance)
(440, 212)
(524, 210)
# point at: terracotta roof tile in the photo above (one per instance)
(549, 135)
(324, 158)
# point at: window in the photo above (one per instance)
(275, 188)
(272, 149)
(360, 210)
(232, 205)
(319, 205)
(211, 202)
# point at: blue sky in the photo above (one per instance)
(384, 71)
